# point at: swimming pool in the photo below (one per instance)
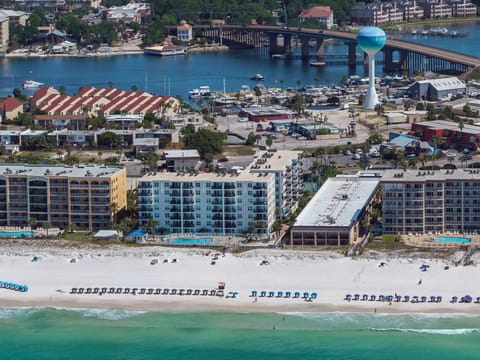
(16, 233)
(452, 239)
(191, 241)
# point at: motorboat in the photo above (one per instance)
(257, 77)
(201, 92)
(29, 84)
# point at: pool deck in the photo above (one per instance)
(426, 240)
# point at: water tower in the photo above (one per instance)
(371, 39)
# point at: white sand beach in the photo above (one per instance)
(328, 273)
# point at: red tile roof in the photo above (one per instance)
(10, 104)
(317, 12)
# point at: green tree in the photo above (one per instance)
(204, 140)
(109, 139)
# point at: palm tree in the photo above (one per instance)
(151, 225)
(32, 222)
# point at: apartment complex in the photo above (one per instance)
(287, 166)
(221, 204)
(323, 15)
(87, 196)
(431, 201)
(379, 13)
(234, 202)
(335, 214)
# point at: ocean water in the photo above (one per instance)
(48, 333)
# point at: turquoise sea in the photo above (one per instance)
(49, 333)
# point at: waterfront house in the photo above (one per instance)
(322, 15)
(184, 32)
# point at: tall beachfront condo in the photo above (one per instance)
(220, 204)
(422, 201)
(87, 196)
(287, 166)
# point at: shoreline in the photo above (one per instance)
(328, 273)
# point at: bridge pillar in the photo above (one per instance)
(287, 43)
(273, 41)
(305, 50)
(388, 65)
(352, 54)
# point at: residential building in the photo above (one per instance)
(435, 9)
(427, 201)
(145, 145)
(335, 215)
(184, 31)
(87, 196)
(442, 88)
(220, 204)
(4, 34)
(411, 11)
(132, 12)
(462, 8)
(14, 17)
(323, 15)
(287, 167)
(80, 138)
(446, 134)
(125, 121)
(60, 122)
(10, 108)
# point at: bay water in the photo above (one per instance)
(51, 333)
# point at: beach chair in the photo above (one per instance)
(165, 291)
(158, 291)
(134, 291)
(96, 290)
(196, 292)
(263, 293)
(73, 291)
(406, 298)
(204, 292)
(414, 299)
(279, 294)
(296, 295)
(313, 296)
(103, 291)
(88, 291)
(173, 292)
(80, 290)
(373, 297)
(306, 294)
(356, 297)
(288, 294)
(126, 291)
(271, 293)
(439, 299)
(118, 291)
(398, 298)
(111, 291)
(213, 292)
(454, 299)
(389, 298)
(381, 298)
(150, 291)
(477, 300)
(189, 291)
(254, 293)
(143, 291)
(364, 297)
(181, 292)
(347, 297)
(423, 299)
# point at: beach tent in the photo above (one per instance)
(106, 234)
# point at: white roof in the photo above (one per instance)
(339, 201)
(449, 83)
(105, 234)
(187, 153)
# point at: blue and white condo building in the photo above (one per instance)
(224, 203)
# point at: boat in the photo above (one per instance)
(225, 100)
(201, 92)
(29, 84)
(165, 50)
(257, 77)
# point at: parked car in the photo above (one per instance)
(347, 152)
(356, 156)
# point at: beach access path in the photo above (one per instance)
(59, 267)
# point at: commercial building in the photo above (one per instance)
(425, 202)
(220, 204)
(448, 133)
(335, 214)
(87, 196)
(181, 159)
(443, 88)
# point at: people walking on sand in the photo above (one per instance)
(419, 282)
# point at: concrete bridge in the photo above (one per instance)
(398, 56)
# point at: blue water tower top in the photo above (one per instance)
(371, 39)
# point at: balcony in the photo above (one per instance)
(229, 193)
(188, 209)
(217, 193)
(175, 209)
